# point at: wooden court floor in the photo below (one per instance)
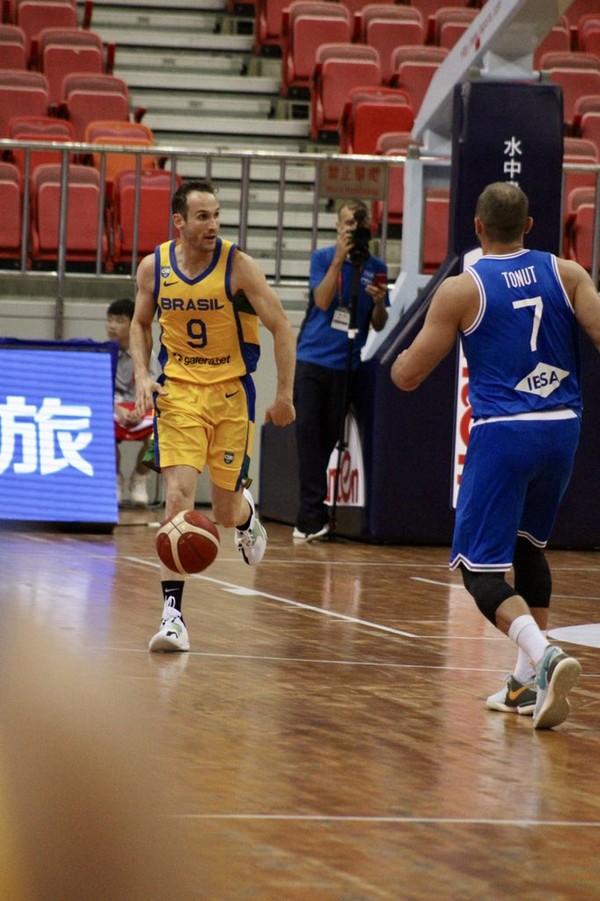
(326, 738)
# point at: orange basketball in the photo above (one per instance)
(188, 542)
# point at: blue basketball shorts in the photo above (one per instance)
(515, 475)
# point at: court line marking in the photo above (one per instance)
(572, 597)
(252, 592)
(231, 586)
(325, 818)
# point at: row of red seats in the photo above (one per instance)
(85, 97)
(442, 22)
(103, 132)
(56, 52)
(382, 26)
(410, 67)
(83, 205)
(270, 18)
(31, 16)
(341, 69)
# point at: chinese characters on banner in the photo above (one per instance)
(57, 441)
(512, 162)
(351, 180)
(44, 439)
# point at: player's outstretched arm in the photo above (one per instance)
(247, 276)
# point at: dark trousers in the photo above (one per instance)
(320, 410)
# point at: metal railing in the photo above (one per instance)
(243, 174)
(179, 161)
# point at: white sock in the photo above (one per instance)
(529, 638)
(523, 671)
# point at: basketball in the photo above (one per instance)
(188, 542)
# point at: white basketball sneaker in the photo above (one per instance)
(172, 635)
(252, 542)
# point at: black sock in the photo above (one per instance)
(174, 590)
(246, 524)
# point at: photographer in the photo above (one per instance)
(348, 287)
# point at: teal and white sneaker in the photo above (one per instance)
(515, 697)
(557, 674)
(252, 542)
(172, 635)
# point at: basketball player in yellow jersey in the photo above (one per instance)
(208, 297)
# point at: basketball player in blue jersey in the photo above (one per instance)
(208, 297)
(517, 313)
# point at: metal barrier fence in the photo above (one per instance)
(245, 168)
(299, 189)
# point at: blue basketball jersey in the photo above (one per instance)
(523, 306)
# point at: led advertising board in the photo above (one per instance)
(57, 445)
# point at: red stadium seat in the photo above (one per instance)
(63, 51)
(574, 12)
(13, 54)
(436, 228)
(579, 231)
(370, 112)
(412, 53)
(557, 39)
(83, 198)
(21, 93)
(88, 98)
(10, 220)
(575, 83)
(589, 127)
(587, 32)
(428, 9)
(154, 212)
(460, 16)
(584, 103)
(415, 77)
(356, 7)
(35, 15)
(579, 150)
(307, 25)
(451, 33)
(392, 143)
(124, 134)
(569, 59)
(592, 40)
(38, 128)
(133, 134)
(387, 27)
(339, 68)
(46, 127)
(268, 30)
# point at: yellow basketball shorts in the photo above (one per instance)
(207, 426)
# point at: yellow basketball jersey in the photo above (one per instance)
(207, 335)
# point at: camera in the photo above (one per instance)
(361, 236)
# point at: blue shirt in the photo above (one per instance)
(319, 341)
(523, 307)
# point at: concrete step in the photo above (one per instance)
(223, 143)
(150, 20)
(170, 82)
(176, 39)
(180, 103)
(234, 125)
(113, 7)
